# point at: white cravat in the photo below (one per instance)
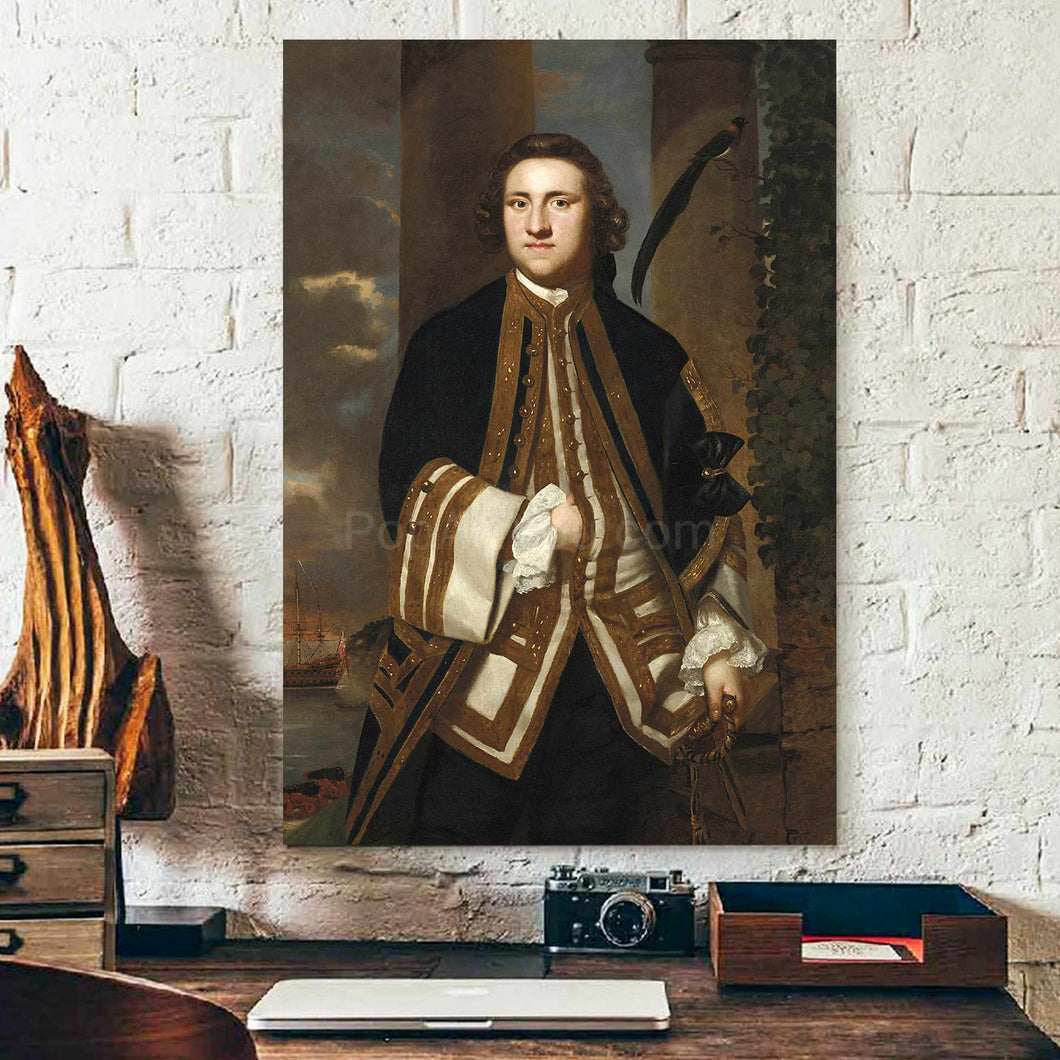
(552, 295)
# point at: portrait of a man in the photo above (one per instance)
(567, 613)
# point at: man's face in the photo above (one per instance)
(548, 221)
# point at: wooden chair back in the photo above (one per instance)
(50, 1013)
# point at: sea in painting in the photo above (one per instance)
(322, 726)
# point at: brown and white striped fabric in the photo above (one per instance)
(445, 575)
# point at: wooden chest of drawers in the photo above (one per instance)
(58, 857)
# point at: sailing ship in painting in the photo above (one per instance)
(312, 666)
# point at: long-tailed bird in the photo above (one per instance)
(677, 199)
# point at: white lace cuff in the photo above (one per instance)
(718, 632)
(534, 542)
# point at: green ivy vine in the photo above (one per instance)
(791, 399)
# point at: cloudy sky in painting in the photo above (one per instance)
(341, 228)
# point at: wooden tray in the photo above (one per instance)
(757, 929)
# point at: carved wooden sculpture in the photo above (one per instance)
(74, 682)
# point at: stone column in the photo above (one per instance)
(703, 294)
(701, 291)
(462, 103)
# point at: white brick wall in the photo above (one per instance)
(648, 19)
(140, 224)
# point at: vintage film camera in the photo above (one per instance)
(600, 911)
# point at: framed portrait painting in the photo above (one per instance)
(559, 442)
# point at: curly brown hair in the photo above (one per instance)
(610, 221)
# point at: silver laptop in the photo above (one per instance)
(462, 1005)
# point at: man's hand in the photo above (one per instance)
(720, 678)
(567, 522)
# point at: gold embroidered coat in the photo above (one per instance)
(472, 659)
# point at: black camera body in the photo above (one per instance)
(600, 911)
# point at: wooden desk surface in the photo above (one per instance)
(745, 1023)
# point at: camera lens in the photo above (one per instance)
(627, 919)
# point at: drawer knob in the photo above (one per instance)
(9, 875)
(12, 796)
(14, 942)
